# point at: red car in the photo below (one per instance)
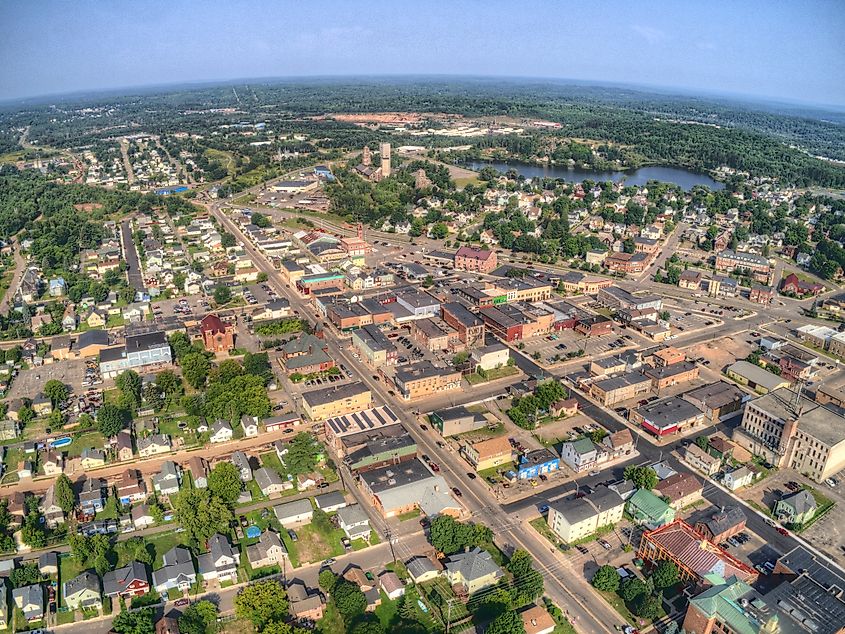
(782, 531)
(434, 467)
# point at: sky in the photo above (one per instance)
(788, 50)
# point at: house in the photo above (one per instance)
(221, 560)
(305, 481)
(199, 471)
(331, 501)
(154, 445)
(60, 348)
(354, 522)
(169, 479)
(52, 512)
(92, 458)
(303, 604)
(177, 571)
(373, 597)
(127, 582)
(472, 571)
(167, 625)
(794, 285)
(241, 461)
(699, 459)
(354, 574)
(30, 600)
(4, 605)
(580, 455)
(123, 445)
(649, 510)
(575, 518)
(97, 319)
(48, 563)
(267, 551)
(141, 516)
(294, 513)
(391, 585)
(564, 408)
(91, 342)
(488, 454)
(25, 468)
(270, 482)
(41, 404)
(537, 620)
(738, 478)
(724, 523)
(422, 569)
(797, 508)
(83, 591)
(620, 443)
(249, 425)
(135, 312)
(537, 462)
(217, 335)
(9, 430)
(221, 431)
(92, 497)
(681, 490)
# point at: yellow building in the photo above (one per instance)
(488, 454)
(575, 518)
(336, 401)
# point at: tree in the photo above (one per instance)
(201, 514)
(222, 295)
(258, 364)
(260, 220)
(153, 396)
(277, 627)
(169, 384)
(632, 589)
(320, 520)
(606, 579)
(262, 602)
(302, 454)
(140, 622)
(262, 277)
(450, 536)
(327, 580)
(195, 367)
(199, 618)
(643, 477)
(224, 482)
(129, 383)
(509, 622)
(80, 547)
(32, 532)
(109, 420)
(460, 358)
(665, 575)
(647, 606)
(370, 625)
(703, 442)
(26, 575)
(56, 391)
(349, 600)
(26, 414)
(63, 492)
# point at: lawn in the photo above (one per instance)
(86, 440)
(387, 611)
(491, 375)
(331, 623)
(410, 515)
(315, 545)
(162, 543)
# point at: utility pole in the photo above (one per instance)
(389, 535)
(449, 615)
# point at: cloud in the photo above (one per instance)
(649, 33)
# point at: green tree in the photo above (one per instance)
(222, 295)
(139, 622)
(199, 618)
(63, 492)
(327, 580)
(349, 600)
(606, 579)
(201, 514)
(632, 589)
(129, 383)
(153, 396)
(224, 482)
(169, 383)
(26, 575)
(509, 622)
(262, 602)
(109, 420)
(367, 625)
(647, 606)
(56, 391)
(80, 547)
(703, 442)
(665, 575)
(25, 415)
(643, 477)
(320, 520)
(302, 454)
(195, 367)
(260, 220)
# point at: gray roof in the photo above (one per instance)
(419, 565)
(115, 581)
(353, 514)
(323, 396)
(177, 562)
(474, 564)
(30, 594)
(668, 411)
(85, 581)
(756, 375)
(826, 424)
(266, 541)
(218, 546)
(219, 424)
(290, 509)
(724, 520)
(332, 498)
(800, 502)
(91, 338)
(266, 478)
(807, 605)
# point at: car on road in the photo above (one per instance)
(434, 467)
(594, 472)
(782, 530)
(425, 457)
(831, 482)
(457, 491)
(582, 550)
(605, 544)
(471, 475)
(180, 602)
(329, 561)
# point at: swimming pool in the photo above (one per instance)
(61, 442)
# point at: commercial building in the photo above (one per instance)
(424, 379)
(669, 375)
(756, 266)
(649, 510)
(306, 354)
(335, 401)
(456, 420)
(671, 415)
(620, 262)
(308, 284)
(418, 303)
(368, 421)
(575, 518)
(792, 431)
(488, 454)
(536, 463)
(388, 446)
(719, 401)
(473, 259)
(816, 336)
(468, 325)
(408, 486)
(755, 377)
(490, 357)
(620, 299)
(374, 346)
(723, 523)
(434, 334)
(620, 388)
(142, 353)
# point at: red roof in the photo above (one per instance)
(212, 323)
(474, 254)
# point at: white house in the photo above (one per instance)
(249, 424)
(221, 431)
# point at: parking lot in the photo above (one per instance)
(31, 381)
(553, 348)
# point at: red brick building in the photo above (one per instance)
(472, 259)
(796, 286)
(761, 294)
(217, 335)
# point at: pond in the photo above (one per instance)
(684, 178)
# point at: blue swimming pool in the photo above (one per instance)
(61, 442)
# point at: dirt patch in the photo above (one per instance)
(721, 352)
(558, 430)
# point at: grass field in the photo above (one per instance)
(498, 373)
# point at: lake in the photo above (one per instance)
(686, 179)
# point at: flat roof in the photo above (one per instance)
(668, 411)
(323, 396)
(756, 374)
(367, 420)
(397, 475)
(826, 424)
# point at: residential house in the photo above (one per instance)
(422, 569)
(488, 454)
(30, 600)
(199, 471)
(48, 563)
(52, 512)
(738, 478)
(123, 445)
(141, 517)
(354, 522)
(391, 585)
(303, 604)
(649, 510)
(177, 571)
(267, 551)
(241, 461)
(4, 605)
(724, 523)
(331, 501)
(169, 479)
(221, 560)
(796, 508)
(221, 431)
(472, 571)
(52, 462)
(270, 482)
(681, 490)
(249, 425)
(131, 487)
(620, 443)
(92, 497)
(83, 592)
(537, 620)
(153, 445)
(699, 459)
(294, 513)
(580, 455)
(127, 582)
(574, 518)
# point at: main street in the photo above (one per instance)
(510, 532)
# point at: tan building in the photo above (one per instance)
(575, 518)
(699, 459)
(488, 454)
(791, 431)
(620, 388)
(435, 334)
(324, 403)
(424, 379)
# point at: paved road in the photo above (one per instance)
(136, 280)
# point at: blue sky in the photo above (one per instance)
(789, 50)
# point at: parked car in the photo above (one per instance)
(293, 536)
